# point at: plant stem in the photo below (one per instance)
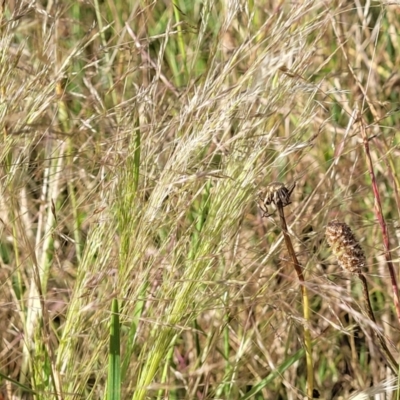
(306, 303)
(381, 219)
(387, 354)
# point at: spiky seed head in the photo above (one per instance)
(275, 192)
(345, 247)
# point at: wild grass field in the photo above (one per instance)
(139, 140)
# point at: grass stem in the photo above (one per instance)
(278, 194)
(381, 220)
(388, 355)
(306, 303)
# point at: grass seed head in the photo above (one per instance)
(345, 247)
(275, 192)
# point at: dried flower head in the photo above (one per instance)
(276, 192)
(345, 247)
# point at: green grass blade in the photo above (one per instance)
(279, 371)
(25, 388)
(114, 361)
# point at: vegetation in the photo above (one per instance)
(136, 136)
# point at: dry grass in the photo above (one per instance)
(135, 138)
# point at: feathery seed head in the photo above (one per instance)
(345, 247)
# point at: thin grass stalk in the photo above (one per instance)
(108, 69)
(383, 387)
(306, 303)
(228, 368)
(388, 355)
(351, 258)
(38, 319)
(279, 194)
(36, 310)
(181, 43)
(114, 357)
(279, 371)
(19, 280)
(381, 219)
(377, 203)
(133, 330)
(64, 120)
(94, 261)
(163, 393)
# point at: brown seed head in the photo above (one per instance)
(345, 247)
(275, 192)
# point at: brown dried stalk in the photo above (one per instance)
(351, 258)
(278, 194)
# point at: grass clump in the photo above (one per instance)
(135, 138)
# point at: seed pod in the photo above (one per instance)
(345, 247)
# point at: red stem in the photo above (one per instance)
(381, 219)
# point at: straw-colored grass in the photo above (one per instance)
(135, 139)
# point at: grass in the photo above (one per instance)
(135, 263)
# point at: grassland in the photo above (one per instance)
(136, 136)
